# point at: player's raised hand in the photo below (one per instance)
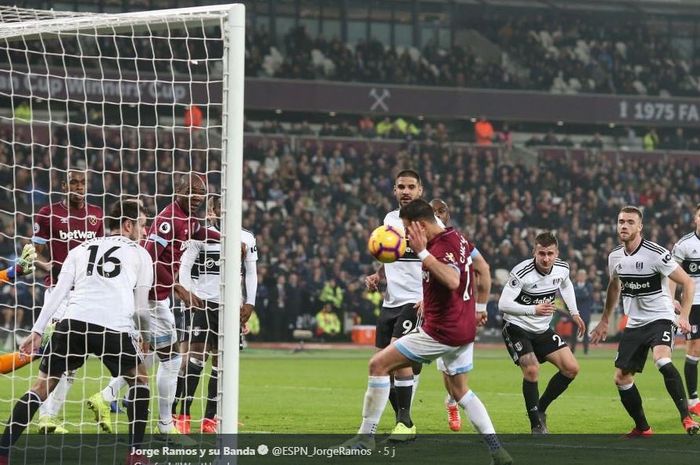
(544, 309)
(25, 262)
(417, 237)
(600, 333)
(30, 344)
(581, 325)
(372, 282)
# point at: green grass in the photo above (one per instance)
(322, 392)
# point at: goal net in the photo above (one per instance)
(134, 101)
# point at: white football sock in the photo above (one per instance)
(111, 392)
(376, 397)
(57, 398)
(477, 413)
(166, 380)
(416, 378)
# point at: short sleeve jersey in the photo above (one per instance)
(171, 229)
(63, 228)
(450, 315)
(643, 278)
(686, 253)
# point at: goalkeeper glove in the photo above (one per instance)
(25, 263)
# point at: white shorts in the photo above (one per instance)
(62, 307)
(420, 347)
(163, 332)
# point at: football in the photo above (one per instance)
(387, 244)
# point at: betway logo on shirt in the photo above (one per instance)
(76, 234)
(639, 285)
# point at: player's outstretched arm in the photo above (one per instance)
(680, 277)
(508, 302)
(600, 333)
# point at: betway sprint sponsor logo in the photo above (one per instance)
(76, 235)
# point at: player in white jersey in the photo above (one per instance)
(200, 274)
(106, 281)
(687, 253)
(482, 275)
(527, 306)
(640, 270)
(398, 317)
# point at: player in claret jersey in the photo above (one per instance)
(172, 228)
(448, 330)
(58, 228)
(640, 270)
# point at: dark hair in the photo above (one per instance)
(121, 211)
(546, 239)
(697, 207)
(408, 174)
(417, 210)
(632, 209)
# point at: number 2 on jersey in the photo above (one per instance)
(106, 258)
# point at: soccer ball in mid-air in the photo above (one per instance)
(387, 244)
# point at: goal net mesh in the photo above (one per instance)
(134, 100)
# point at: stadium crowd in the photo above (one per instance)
(565, 54)
(312, 205)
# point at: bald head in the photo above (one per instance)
(440, 209)
(190, 192)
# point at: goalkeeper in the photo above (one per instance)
(23, 266)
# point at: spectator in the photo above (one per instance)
(584, 298)
(332, 294)
(651, 139)
(595, 143)
(365, 127)
(327, 322)
(483, 131)
(384, 127)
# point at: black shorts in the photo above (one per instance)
(183, 320)
(205, 325)
(395, 322)
(520, 342)
(636, 342)
(694, 320)
(73, 340)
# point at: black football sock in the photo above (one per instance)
(139, 396)
(194, 372)
(404, 392)
(212, 394)
(531, 394)
(555, 387)
(690, 370)
(393, 399)
(632, 402)
(674, 386)
(21, 416)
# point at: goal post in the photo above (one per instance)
(108, 93)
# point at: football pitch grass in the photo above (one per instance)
(321, 392)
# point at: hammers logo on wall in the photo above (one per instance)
(379, 97)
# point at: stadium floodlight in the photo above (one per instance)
(111, 93)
